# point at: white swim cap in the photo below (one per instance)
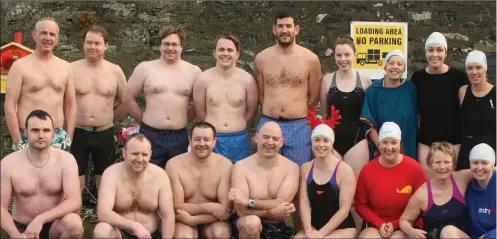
(436, 37)
(477, 57)
(390, 129)
(395, 53)
(323, 130)
(483, 152)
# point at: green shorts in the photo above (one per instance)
(60, 140)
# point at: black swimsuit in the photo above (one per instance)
(324, 200)
(478, 123)
(350, 131)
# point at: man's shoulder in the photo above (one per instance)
(308, 54)
(176, 161)
(244, 162)
(266, 52)
(11, 158)
(76, 63)
(61, 61)
(288, 163)
(222, 161)
(190, 67)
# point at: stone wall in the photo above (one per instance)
(134, 26)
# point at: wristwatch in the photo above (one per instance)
(251, 204)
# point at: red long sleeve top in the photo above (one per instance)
(383, 193)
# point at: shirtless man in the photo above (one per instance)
(201, 180)
(167, 84)
(263, 187)
(44, 183)
(41, 81)
(135, 198)
(98, 83)
(226, 96)
(288, 77)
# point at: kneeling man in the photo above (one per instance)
(263, 187)
(44, 182)
(201, 180)
(135, 198)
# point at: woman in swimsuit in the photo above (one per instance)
(477, 108)
(441, 199)
(437, 87)
(326, 191)
(345, 89)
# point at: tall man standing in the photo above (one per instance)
(226, 96)
(167, 84)
(288, 77)
(41, 80)
(98, 83)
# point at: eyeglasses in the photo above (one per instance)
(168, 44)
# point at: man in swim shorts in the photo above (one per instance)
(200, 180)
(44, 183)
(226, 96)
(97, 83)
(263, 187)
(167, 83)
(41, 80)
(135, 198)
(288, 78)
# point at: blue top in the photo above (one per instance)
(393, 104)
(481, 204)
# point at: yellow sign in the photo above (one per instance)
(3, 84)
(373, 41)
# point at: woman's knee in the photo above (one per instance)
(450, 231)
(369, 232)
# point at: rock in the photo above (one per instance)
(328, 52)
(425, 15)
(456, 36)
(378, 5)
(250, 53)
(320, 17)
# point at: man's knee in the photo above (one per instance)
(104, 230)
(72, 224)
(185, 231)
(220, 230)
(250, 225)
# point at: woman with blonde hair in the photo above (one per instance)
(441, 199)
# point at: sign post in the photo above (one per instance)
(373, 41)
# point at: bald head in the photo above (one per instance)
(271, 128)
(269, 140)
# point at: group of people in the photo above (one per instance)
(365, 166)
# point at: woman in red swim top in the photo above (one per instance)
(441, 199)
(385, 186)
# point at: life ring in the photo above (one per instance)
(9, 56)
